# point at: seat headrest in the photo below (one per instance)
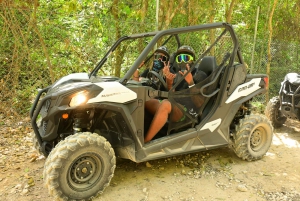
(208, 64)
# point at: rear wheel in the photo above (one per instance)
(274, 114)
(79, 167)
(253, 137)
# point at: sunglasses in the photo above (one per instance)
(184, 58)
(160, 57)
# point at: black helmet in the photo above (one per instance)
(164, 50)
(186, 49)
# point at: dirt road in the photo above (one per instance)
(212, 175)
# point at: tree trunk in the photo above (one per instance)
(45, 50)
(229, 11)
(144, 11)
(213, 31)
(170, 9)
(117, 66)
(297, 17)
(269, 42)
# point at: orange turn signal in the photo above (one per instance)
(65, 115)
(266, 79)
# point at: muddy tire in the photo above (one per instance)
(273, 113)
(79, 167)
(253, 137)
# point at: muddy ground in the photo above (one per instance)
(211, 175)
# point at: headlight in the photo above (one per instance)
(78, 99)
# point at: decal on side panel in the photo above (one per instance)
(244, 89)
(212, 125)
(113, 92)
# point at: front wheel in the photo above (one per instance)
(79, 167)
(253, 137)
(274, 114)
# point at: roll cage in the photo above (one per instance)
(175, 32)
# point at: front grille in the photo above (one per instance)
(43, 113)
(45, 108)
(47, 104)
(45, 126)
(290, 91)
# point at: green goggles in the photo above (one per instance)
(184, 58)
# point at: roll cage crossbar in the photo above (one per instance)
(156, 36)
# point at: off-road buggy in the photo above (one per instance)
(84, 121)
(287, 104)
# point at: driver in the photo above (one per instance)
(160, 60)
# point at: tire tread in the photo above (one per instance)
(63, 150)
(243, 130)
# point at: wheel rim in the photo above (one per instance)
(258, 139)
(85, 171)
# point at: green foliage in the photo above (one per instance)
(258, 106)
(41, 43)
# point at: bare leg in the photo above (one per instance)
(159, 120)
(152, 106)
(176, 114)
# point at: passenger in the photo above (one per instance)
(161, 109)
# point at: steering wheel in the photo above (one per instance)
(156, 80)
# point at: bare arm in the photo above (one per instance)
(135, 75)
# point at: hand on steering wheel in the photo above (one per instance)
(156, 80)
